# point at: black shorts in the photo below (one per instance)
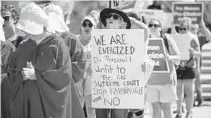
(185, 73)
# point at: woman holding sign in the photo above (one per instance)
(186, 71)
(161, 87)
(113, 19)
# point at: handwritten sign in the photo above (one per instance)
(156, 51)
(183, 42)
(192, 10)
(117, 56)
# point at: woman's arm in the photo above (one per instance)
(206, 31)
(195, 47)
(140, 25)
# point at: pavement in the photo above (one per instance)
(198, 112)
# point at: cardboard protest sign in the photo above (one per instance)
(117, 56)
(183, 42)
(192, 10)
(156, 52)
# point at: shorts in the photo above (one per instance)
(161, 93)
(186, 72)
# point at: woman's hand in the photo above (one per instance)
(29, 72)
(196, 54)
(182, 64)
(167, 56)
(3, 76)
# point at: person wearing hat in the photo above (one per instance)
(10, 17)
(186, 71)
(84, 86)
(114, 19)
(40, 71)
(56, 17)
(7, 50)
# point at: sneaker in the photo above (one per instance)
(178, 116)
(189, 115)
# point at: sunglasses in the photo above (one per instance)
(114, 15)
(153, 25)
(6, 18)
(87, 24)
(182, 29)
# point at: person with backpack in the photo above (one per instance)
(161, 87)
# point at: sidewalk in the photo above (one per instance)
(198, 112)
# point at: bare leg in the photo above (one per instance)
(180, 95)
(198, 89)
(189, 91)
(166, 107)
(156, 110)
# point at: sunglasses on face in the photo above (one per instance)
(184, 29)
(87, 24)
(6, 18)
(153, 25)
(115, 16)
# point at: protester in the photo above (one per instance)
(114, 19)
(194, 29)
(186, 71)
(10, 17)
(84, 86)
(7, 50)
(57, 22)
(162, 92)
(40, 71)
